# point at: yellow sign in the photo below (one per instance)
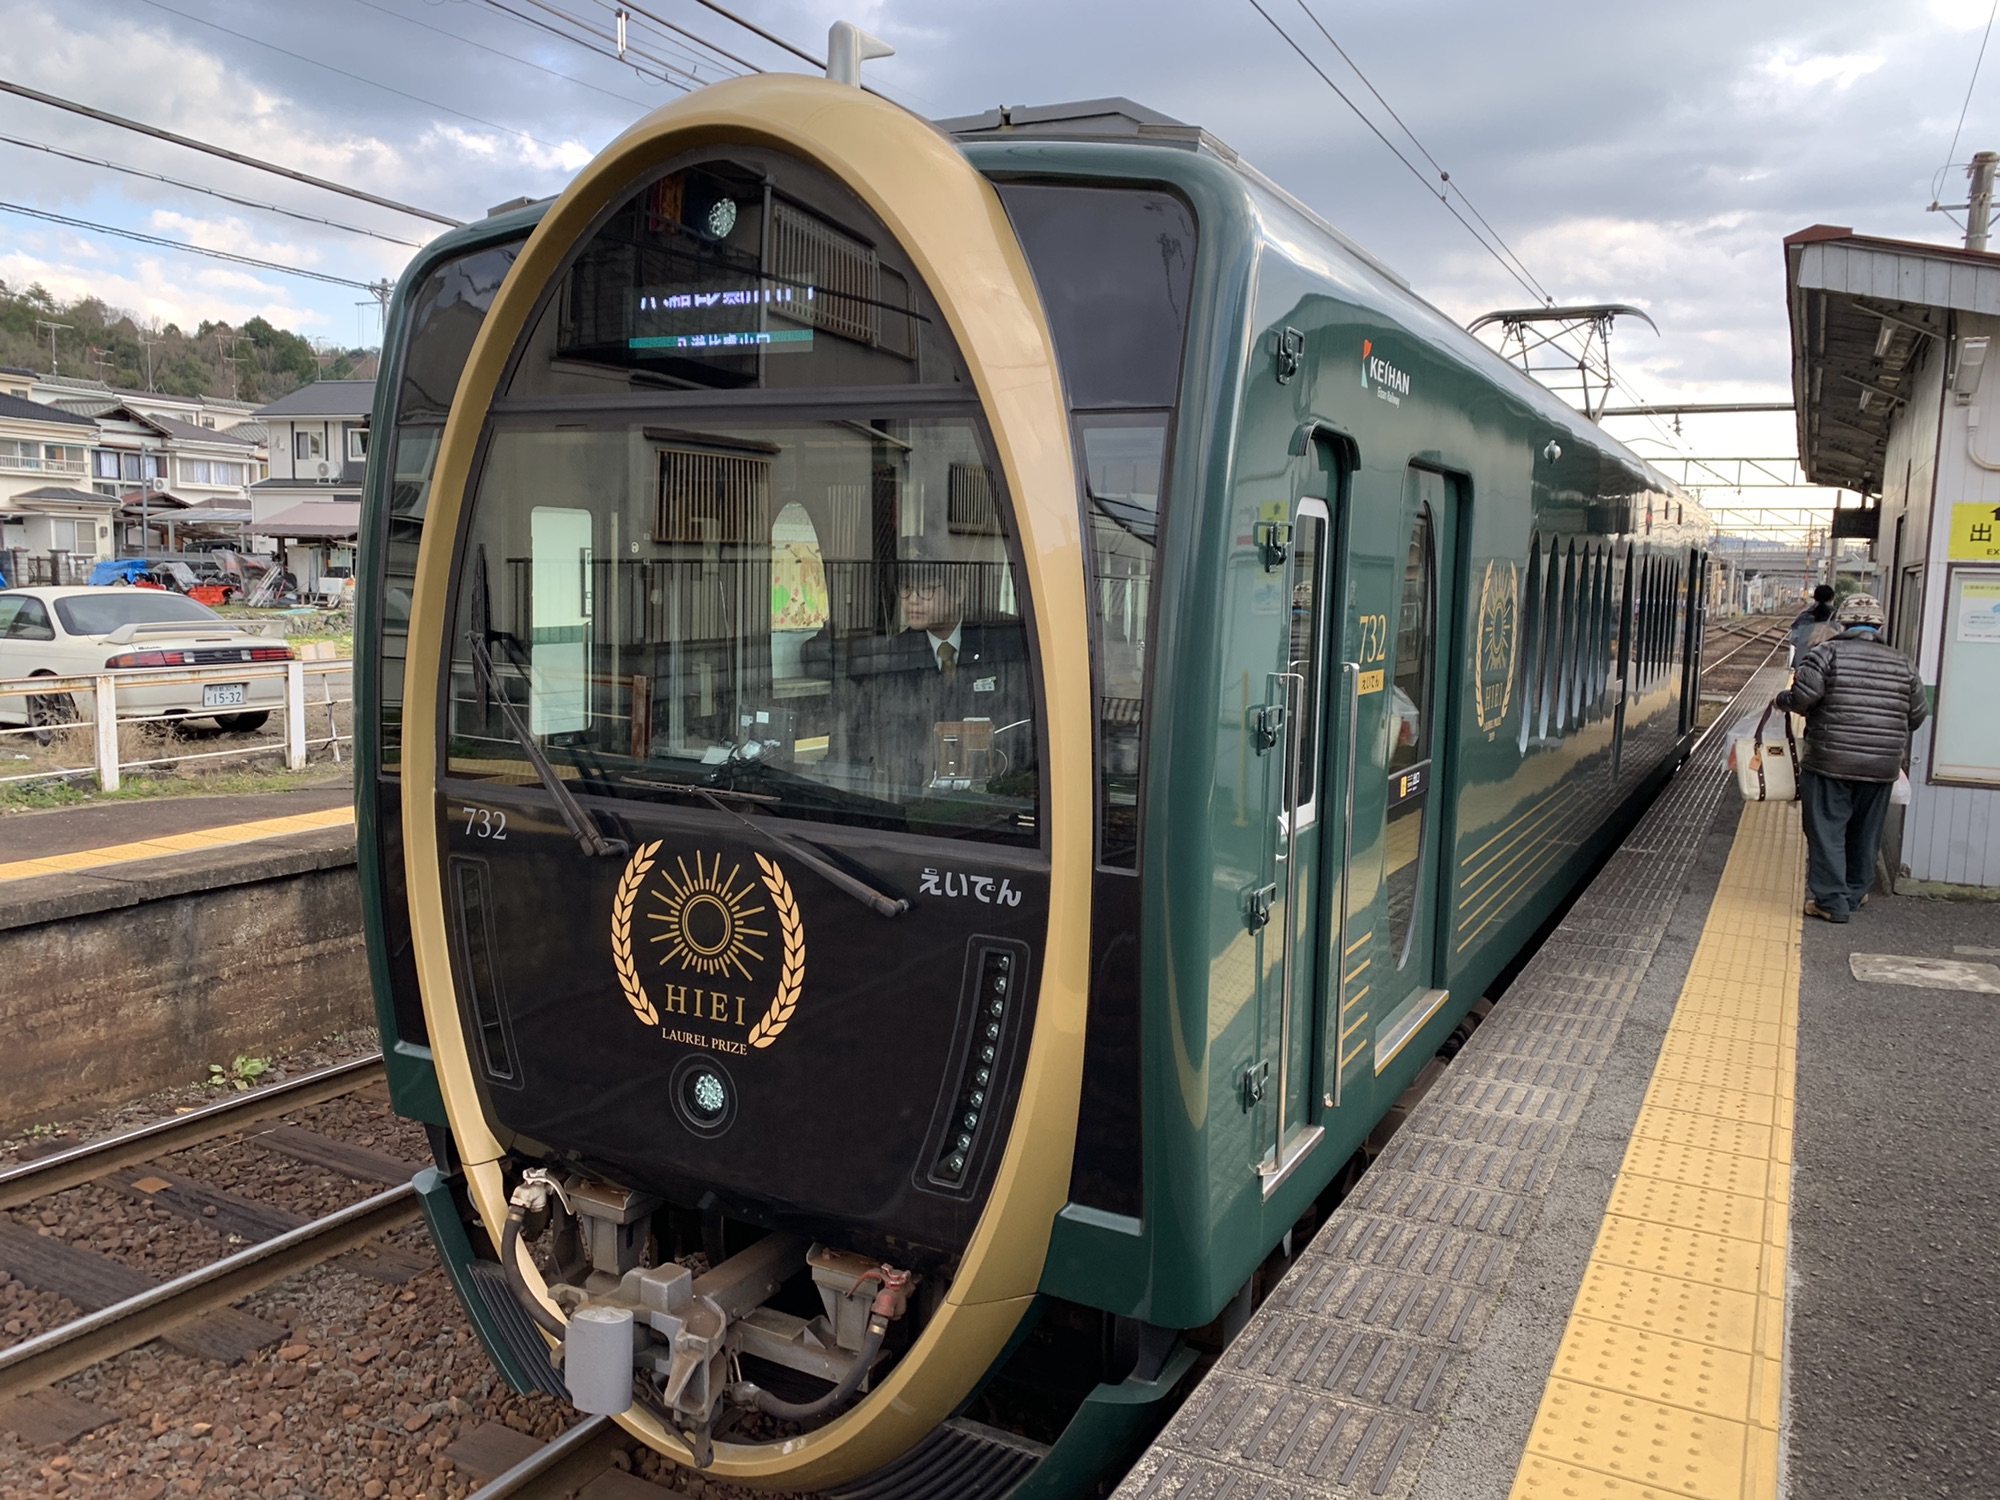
(1975, 533)
(707, 929)
(1371, 682)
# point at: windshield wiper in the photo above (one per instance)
(574, 817)
(869, 896)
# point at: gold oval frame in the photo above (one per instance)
(949, 220)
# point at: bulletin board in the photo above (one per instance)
(1965, 746)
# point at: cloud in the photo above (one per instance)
(1842, 70)
(156, 291)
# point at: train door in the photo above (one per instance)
(1307, 785)
(1408, 958)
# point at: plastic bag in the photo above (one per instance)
(1899, 794)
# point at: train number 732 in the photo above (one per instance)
(1374, 643)
(485, 823)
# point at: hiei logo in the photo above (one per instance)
(1388, 382)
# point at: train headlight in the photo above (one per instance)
(704, 1096)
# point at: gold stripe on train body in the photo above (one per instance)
(950, 222)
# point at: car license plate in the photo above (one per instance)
(225, 694)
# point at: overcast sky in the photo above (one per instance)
(1653, 154)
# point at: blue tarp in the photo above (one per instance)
(123, 570)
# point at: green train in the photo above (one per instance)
(949, 715)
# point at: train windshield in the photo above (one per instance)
(774, 566)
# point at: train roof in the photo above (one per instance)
(1115, 120)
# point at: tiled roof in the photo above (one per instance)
(325, 398)
(36, 411)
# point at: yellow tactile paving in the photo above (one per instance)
(177, 843)
(1670, 1374)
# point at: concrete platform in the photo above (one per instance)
(141, 941)
(76, 861)
(1572, 1271)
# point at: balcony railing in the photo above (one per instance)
(34, 463)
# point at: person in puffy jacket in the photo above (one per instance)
(1806, 624)
(1861, 698)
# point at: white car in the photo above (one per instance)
(79, 632)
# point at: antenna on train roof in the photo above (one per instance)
(847, 47)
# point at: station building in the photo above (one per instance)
(1890, 344)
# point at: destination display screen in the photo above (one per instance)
(705, 273)
(738, 319)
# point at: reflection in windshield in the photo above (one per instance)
(818, 617)
(1122, 460)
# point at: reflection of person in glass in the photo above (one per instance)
(945, 703)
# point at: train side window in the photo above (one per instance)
(1531, 642)
(1410, 736)
(1552, 626)
(1124, 461)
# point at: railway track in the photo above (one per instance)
(45, 1175)
(559, 1468)
(1734, 654)
(163, 1307)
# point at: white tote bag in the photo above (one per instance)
(1767, 769)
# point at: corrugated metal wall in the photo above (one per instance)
(1950, 833)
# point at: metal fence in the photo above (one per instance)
(80, 731)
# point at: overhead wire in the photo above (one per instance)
(1959, 129)
(1415, 171)
(667, 69)
(195, 187)
(661, 23)
(183, 245)
(314, 62)
(105, 117)
(1443, 175)
(755, 30)
(496, 52)
(1504, 254)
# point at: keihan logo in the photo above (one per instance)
(1388, 382)
(714, 935)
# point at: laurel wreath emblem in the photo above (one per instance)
(792, 973)
(791, 928)
(622, 959)
(1498, 646)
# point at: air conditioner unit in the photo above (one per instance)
(325, 469)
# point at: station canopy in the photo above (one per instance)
(1862, 311)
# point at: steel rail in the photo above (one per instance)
(27, 1181)
(1752, 640)
(1725, 719)
(558, 1468)
(77, 1345)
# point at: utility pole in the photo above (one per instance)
(226, 344)
(382, 292)
(54, 368)
(149, 345)
(1979, 206)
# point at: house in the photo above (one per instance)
(1890, 341)
(48, 510)
(311, 502)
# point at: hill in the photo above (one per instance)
(106, 344)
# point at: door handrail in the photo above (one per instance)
(1350, 674)
(1294, 690)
